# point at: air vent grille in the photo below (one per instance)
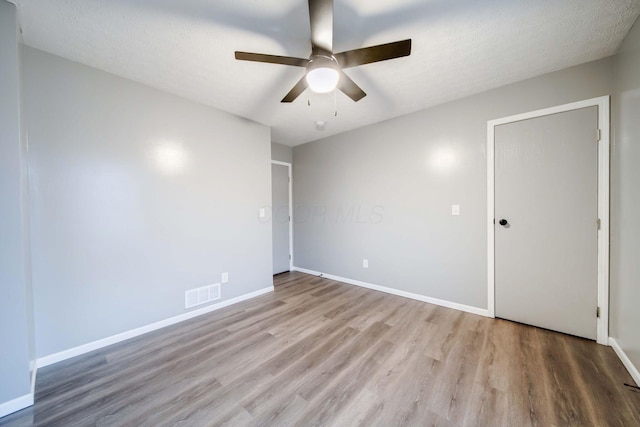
(203, 295)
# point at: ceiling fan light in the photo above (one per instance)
(323, 79)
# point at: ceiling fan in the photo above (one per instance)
(324, 68)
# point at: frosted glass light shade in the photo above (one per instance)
(323, 79)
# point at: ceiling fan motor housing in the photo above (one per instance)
(322, 61)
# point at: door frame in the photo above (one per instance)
(289, 167)
(602, 332)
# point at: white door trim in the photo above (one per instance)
(603, 202)
(288, 165)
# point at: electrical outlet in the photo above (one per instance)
(455, 210)
(365, 263)
(225, 277)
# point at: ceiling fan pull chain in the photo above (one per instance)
(335, 103)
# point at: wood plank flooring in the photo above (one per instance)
(318, 352)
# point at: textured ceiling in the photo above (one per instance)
(460, 47)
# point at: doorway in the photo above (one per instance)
(548, 204)
(281, 215)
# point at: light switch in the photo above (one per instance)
(263, 213)
(455, 210)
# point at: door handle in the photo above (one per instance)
(503, 222)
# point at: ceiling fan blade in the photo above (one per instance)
(367, 55)
(350, 88)
(296, 90)
(272, 59)
(321, 20)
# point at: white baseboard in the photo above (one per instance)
(15, 405)
(95, 345)
(635, 374)
(436, 301)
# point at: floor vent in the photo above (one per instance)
(203, 295)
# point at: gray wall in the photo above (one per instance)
(384, 192)
(137, 196)
(14, 310)
(625, 207)
(281, 153)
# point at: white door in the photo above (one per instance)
(280, 217)
(546, 210)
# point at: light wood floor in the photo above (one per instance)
(318, 352)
